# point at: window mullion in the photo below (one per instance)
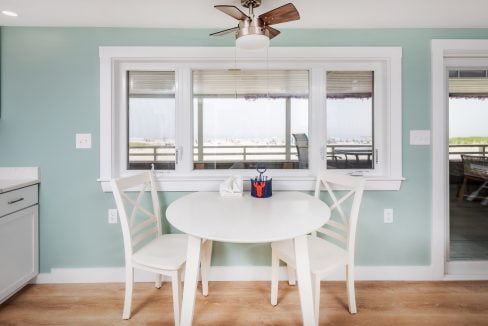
(184, 130)
(317, 123)
(121, 125)
(380, 118)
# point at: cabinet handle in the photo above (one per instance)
(15, 201)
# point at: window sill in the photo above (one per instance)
(283, 183)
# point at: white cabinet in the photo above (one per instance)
(19, 248)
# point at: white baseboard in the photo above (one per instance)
(467, 270)
(230, 273)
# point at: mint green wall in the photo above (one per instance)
(50, 91)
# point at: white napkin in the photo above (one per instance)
(231, 187)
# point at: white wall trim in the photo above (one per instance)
(457, 269)
(218, 53)
(231, 273)
(441, 49)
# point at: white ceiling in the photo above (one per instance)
(201, 14)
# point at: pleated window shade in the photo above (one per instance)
(350, 84)
(151, 83)
(468, 83)
(260, 83)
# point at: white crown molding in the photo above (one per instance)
(201, 14)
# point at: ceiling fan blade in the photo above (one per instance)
(225, 31)
(272, 32)
(283, 14)
(232, 11)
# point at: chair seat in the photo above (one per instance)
(324, 255)
(166, 252)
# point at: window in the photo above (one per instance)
(199, 115)
(248, 118)
(151, 123)
(349, 120)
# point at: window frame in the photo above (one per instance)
(116, 61)
(379, 145)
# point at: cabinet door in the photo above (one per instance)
(18, 250)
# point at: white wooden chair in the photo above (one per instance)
(335, 245)
(145, 246)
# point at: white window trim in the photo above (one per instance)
(112, 58)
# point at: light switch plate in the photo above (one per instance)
(83, 140)
(419, 137)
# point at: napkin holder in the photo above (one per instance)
(231, 187)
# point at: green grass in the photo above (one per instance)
(468, 140)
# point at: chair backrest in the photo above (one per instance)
(475, 165)
(136, 230)
(343, 229)
(301, 143)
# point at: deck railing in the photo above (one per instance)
(245, 153)
(455, 151)
(234, 153)
(227, 153)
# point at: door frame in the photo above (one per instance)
(440, 51)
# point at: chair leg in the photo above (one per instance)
(176, 287)
(462, 191)
(129, 284)
(316, 296)
(291, 275)
(351, 293)
(205, 265)
(159, 281)
(275, 264)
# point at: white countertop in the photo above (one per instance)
(18, 177)
(9, 185)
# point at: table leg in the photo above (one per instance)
(191, 278)
(304, 280)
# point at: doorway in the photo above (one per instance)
(467, 106)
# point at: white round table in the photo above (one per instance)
(208, 216)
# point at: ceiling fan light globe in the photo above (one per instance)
(252, 42)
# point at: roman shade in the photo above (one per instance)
(349, 84)
(260, 83)
(468, 84)
(151, 83)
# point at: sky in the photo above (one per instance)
(251, 119)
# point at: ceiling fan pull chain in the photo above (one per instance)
(267, 72)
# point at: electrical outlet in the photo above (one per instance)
(388, 215)
(83, 140)
(112, 216)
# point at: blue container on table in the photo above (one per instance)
(261, 187)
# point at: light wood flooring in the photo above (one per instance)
(247, 303)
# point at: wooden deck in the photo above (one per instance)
(247, 303)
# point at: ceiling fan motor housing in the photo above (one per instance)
(249, 3)
(247, 27)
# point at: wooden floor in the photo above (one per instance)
(247, 303)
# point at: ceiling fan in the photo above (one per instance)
(255, 32)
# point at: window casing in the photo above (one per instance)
(384, 63)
